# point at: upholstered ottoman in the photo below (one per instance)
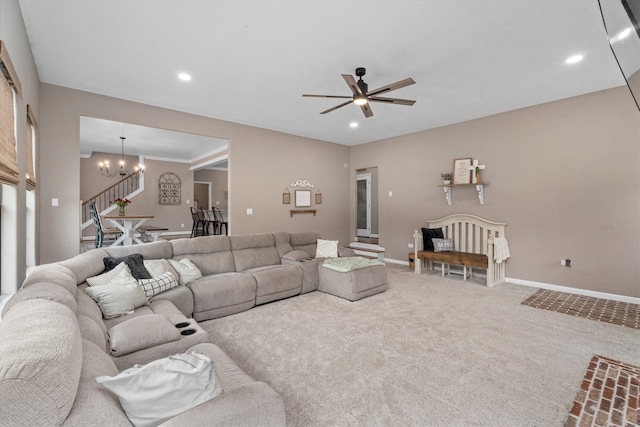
(368, 278)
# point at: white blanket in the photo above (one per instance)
(500, 249)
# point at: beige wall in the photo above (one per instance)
(563, 175)
(261, 164)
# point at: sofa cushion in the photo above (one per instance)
(43, 290)
(222, 294)
(141, 332)
(254, 250)
(211, 254)
(156, 267)
(274, 282)
(88, 307)
(94, 405)
(133, 261)
(304, 241)
(180, 296)
(86, 264)
(296, 256)
(92, 332)
(52, 273)
(153, 250)
(40, 363)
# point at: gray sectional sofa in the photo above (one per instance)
(55, 341)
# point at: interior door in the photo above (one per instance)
(363, 205)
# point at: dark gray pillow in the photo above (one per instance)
(135, 263)
(428, 234)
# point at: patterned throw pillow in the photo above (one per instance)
(327, 249)
(161, 283)
(443, 245)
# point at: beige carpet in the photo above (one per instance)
(427, 352)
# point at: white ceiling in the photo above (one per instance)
(252, 60)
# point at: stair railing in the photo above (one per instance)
(127, 188)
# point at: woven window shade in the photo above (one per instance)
(8, 166)
(32, 125)
(8, 84)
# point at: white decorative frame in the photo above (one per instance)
(461, 171)
(303, 198)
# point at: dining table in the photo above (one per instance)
(128, 224)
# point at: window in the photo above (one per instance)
(9, 87)
(32, 127)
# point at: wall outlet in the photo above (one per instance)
(565, 262)
(410, 245)
(249, 211)
(182, 225)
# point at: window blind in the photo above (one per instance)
(9, 87)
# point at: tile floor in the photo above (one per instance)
(603, 310)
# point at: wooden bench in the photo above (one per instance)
(150, 233)
(474, 242)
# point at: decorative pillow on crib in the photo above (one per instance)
(327, 249)
(443, 245)
(430, 233)
(159, 284)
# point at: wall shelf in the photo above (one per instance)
(302, 211)
(447, 191)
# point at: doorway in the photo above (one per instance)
(367, 202)
(202, 195)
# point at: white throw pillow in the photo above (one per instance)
(156, 267)
(117, 300)
(327, 249)
(161, 283)
(158, 391)
(105, 278)
(187, 271)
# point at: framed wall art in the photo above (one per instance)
(303, 198)
(318, 197)
(462, 171)
(286, 197)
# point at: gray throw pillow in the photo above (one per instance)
(134, 261)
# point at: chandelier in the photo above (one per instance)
(122, 171)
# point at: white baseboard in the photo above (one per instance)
(585, 292)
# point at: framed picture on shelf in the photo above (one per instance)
(303, 198)
(462, 171)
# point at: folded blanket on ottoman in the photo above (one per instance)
(346, 264)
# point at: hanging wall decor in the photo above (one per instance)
(302, 183)
(169, 189)
(286, 197)
(318, 197)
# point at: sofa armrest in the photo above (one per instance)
(251, 404)
(139, 333)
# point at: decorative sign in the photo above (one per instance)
(303, 198)
(461, 171)
(303, 183)
(169, 189)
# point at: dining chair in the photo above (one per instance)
(220, 222)
(102, 234)
(210, 221)
(198, 227)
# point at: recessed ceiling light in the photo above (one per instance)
(184, 77)
(573, 59)
(353, 124)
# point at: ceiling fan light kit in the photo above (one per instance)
(361, 95)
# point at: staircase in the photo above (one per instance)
(367, 247)
(127, 188)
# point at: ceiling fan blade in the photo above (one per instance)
(329, 96)
(351, 82)
(397, 101)
(366, 109)
(392, 86)
(336, 107)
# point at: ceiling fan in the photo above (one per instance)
(362, 96)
